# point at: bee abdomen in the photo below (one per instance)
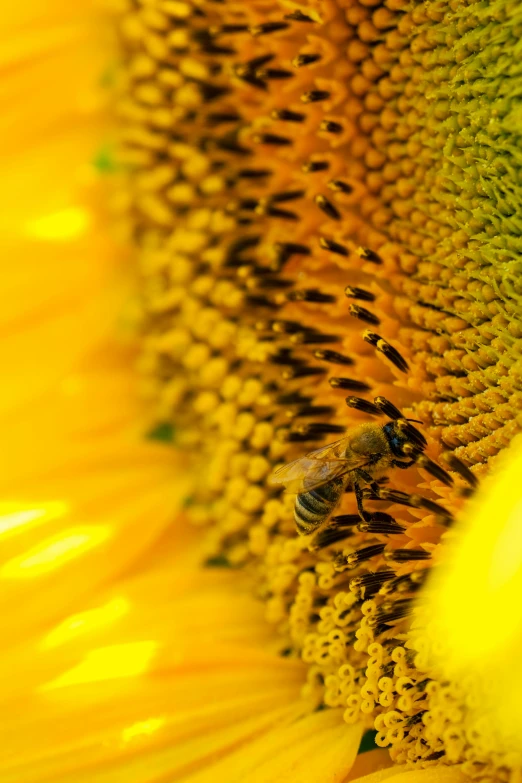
(313, 508)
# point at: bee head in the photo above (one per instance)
(403, 438)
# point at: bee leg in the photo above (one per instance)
(359, 499)
(368, 479)
(396, 463)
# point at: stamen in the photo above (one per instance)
(359, 293)
(315, 165)
(272, 139)
(298, 16)
(406, 555)
(310, 295)
(388, 408)
(359, 556)
(388, 350)
(369, 255)
(363, 314)
(333, 357)
(305, 59)
(327, 207)
(333, 247)
(348, 383)
(459, 467)
(302, 372)
(288, 116)
(363, 405)
(268, 27)
(434, 469)
(385, 527)
(315, 96)
(331, 127)
(339, 186)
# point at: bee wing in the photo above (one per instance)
(318, 467)
(305, 474)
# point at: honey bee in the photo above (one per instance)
(321, 477)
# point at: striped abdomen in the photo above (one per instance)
(313, 508)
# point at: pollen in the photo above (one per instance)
(326, 210)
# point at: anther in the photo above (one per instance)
(435, 470)
(412, 433)
(459, 467)
(283, 214)
(253, 173)
(430, 505)
(339, 186)
(359, 556)
(293, 398)
(302, 372)
(314, 96)
(367, 585)
(348, 383)
(315, 410)
(211, 92)
(388, 350)
(272, 139)
(273, 73)
(305, 59)
(285, 357)
(284, 251)
(388, 408)
(268, 27)
(332, 535)
(289, 195)
(333, 247)
(228, 28)
(327, 429)
(298, 16)
(314, 338)
(369, 255)
(333, 357)
(346, 519)
(331, 127)
(358, 404)
(229, 143)
(385, 527)
(405, 555)
(327, 207)
(315, 165)
(391, 496)
(260, 301)
(288, 116)
(286, 327)
(363, 314)
(352, 292)
(220, 118)
(311, 295)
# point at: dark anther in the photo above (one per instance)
(348, 383)
(298, 16)
(352, 292)
(229, 143)
(285, 357)
(273, 73)
(368, 584)
(268, 27)
(434, 469)
(286, 327)
(330, 429)
(405, 555)
(310, 295)
(284, 251)
(305, 59)
(314, 338)
(283, 214)
(332, 535)
(369, 255)
(211, 92)
(219, 118)
(359, 556)
(315, 410)
(363, 405)
(293, 398)
(288, 116)
(228, 28)
(273, 283)
(315, 165)
(327, 207)
(339, 186)
(314, 96)
(302, 372)
(388, 408)
(260, 301)
(289, 195)
(363, 314)
(333, 247)
(333, 357)
(390, 613)
(437, 754)
(241, 244)
(391, 496)
(297, 437)
(253, 173)
(331, 127)
(455, 464)
(430, 505)
(388, 350)
(346, 519)
(385, 528)
(272, 139)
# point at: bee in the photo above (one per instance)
(321, 477)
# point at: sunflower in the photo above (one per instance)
(322, 204)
